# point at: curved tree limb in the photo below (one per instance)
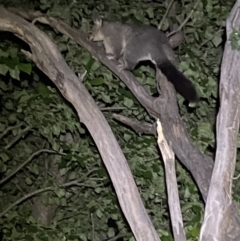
(48, 59)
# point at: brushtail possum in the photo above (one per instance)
(130, 44)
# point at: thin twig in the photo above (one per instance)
(26, 197)
(185, 21)
(25, 163)
(9, 129)
(20, 189)
(51, 188)
(165, 15)
(17, 137)
(120, 235)
(235, 178)
(115, 108)
(209, 39)
(69, 216)
(75, 182)
(93, 228)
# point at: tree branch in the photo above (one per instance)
(165, 15)
(25, 163)
(50, 188)
(17, 137)
(10, 128)
(185, 21)
(49, 60)
(172, 187)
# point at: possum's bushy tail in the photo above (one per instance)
(182, 85)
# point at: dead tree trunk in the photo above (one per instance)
(218, 214)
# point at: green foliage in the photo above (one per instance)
(38, 118)
(38, 115)
(10, 63)
(234, 38)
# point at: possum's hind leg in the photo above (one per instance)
(127, 62)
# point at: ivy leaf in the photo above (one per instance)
(4, 157)
(62, 47)
(44, 91)
(55, 146)
(97, 81)
(128, 102)
(3, 86)
(13, 52)
(72, 176)
(106, 98)
(205, 130)
(89, 63)
(98, 190)
(12, 118)
(45, 6)
(209, 6)
(150, 12)
(9, 105)
(127, 137)
(99, 213)
(60, 192)
(83, 237)
(3, 53)
(63, 171)
(3, 69)
(26, 68)
(110, 233)
(10, 62)
(56, 130)
(3, 167)
(132, 239)
(63, 202)
(12, 215)
(217, 40)
(148, 175)
(28, 181)
(24, 98)
(195, 231)
(15, 73)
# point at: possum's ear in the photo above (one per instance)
(98, 22)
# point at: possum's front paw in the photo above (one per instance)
(121, 66)
(110, 56)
